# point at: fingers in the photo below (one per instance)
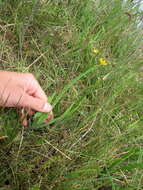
(36, 89)
(50, 117)
(35, 104)
(25, 114)
(39, 93)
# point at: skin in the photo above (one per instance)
(22, 90)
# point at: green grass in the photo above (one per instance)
(95, 140)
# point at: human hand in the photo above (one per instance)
(22, 90)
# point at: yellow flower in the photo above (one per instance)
(95, 51)
(102, 61)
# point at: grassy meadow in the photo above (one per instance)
(87, 55)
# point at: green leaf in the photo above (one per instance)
(40, 117)
(68, 86)
(122, 159)
(132, 166)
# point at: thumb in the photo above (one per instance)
(36, 104)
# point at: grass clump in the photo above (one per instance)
(95, 140)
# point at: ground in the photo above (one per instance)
(87, 56)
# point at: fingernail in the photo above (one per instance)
(47, 107)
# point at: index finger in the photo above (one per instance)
(38, 92)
